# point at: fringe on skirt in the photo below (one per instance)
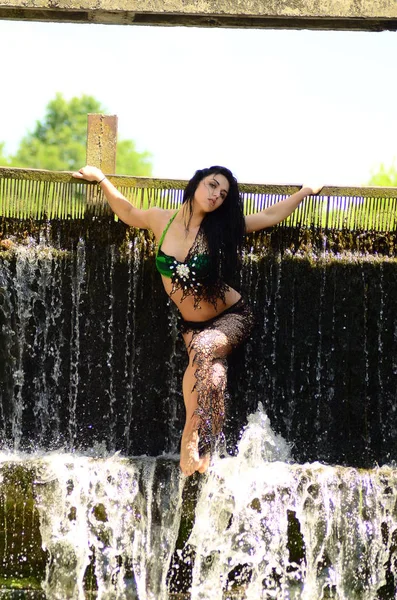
(211, 343)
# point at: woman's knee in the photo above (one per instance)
(210, 343)
(219, 373)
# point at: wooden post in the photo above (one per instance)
(102, 142)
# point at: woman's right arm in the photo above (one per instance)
(117, 202)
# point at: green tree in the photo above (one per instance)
(58, 142)
(5, 161)
(384, 177)
(131, 162)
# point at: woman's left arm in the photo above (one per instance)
(278, 212)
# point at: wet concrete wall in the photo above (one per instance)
(91, 353)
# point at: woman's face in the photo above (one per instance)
(211, 192)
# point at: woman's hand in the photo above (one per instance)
(89, 173)
(119, 204)
(314, 189)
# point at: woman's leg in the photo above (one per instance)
(204, 386)
(190, 460)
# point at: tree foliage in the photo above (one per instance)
(4, 159)
(131, 162)
(58, 142)
(385, 176)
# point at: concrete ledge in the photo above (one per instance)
(365, 15)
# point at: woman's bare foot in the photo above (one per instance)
(190, 459)
(205, 463)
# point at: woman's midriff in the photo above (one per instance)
(206, 310)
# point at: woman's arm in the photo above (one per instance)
(118, 203)
(279, 211)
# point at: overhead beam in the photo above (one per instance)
(360, 15)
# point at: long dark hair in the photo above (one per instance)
(224, 228)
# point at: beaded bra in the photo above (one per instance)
(193, 276)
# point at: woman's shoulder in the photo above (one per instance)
(159, 218)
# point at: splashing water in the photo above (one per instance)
(118, 516)
(286, 531)
(262, 527)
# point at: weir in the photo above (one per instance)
(92, 504)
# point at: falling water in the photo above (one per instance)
(90, 383)
(115, 517)
(282, 530)
(262, 527)
(129, 357)
(380, 336)
(75, 348)
(70, 323)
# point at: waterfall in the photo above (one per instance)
(76, 347)
(283, 530)
(260, 526)
(92, 502)
(117, 517)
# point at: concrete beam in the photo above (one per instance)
(363, 15)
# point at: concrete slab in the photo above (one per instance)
(364, 15)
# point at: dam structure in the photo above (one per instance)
(302, 505)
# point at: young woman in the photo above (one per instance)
(199, 250)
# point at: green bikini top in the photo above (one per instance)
(194, 268)
(193, 276)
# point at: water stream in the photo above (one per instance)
(92, 503)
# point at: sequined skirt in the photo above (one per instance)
(244, 321)
(212, 341)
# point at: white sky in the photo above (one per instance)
(273, 106)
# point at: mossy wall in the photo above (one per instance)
(23, 560)
(92, 356)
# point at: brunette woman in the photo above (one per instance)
(198, 255)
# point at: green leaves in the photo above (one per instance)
(131, 162)
(4, 160)
(385, 177)
(58, 141)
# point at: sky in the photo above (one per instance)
(275, 106)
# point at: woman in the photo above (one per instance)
(198, 253)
